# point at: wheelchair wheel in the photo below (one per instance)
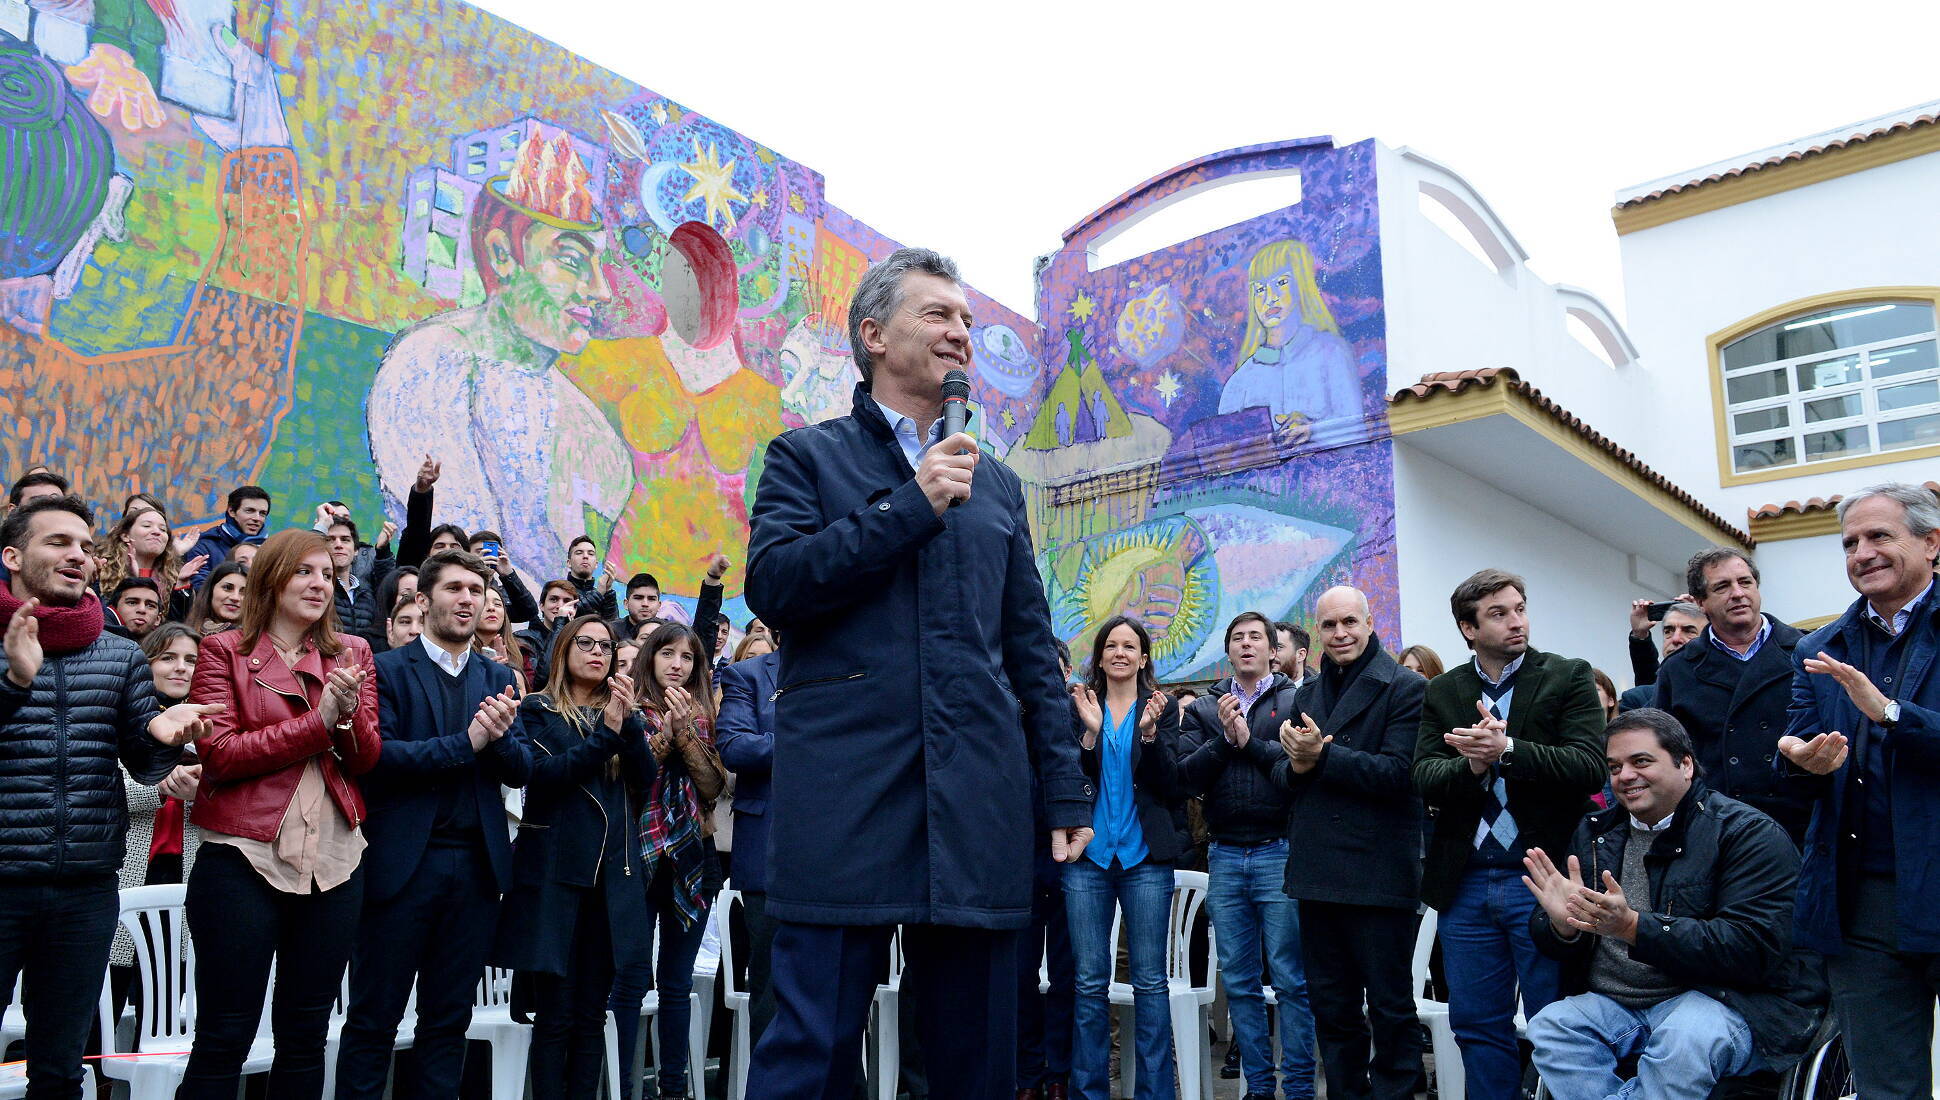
(1826, 1074)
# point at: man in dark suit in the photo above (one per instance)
(1355, 858)
(745, 735)
(1730, 689)
(898, 565)
(440, 854)
(1868, 684)
(1510, 750)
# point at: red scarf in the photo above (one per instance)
(63, 630)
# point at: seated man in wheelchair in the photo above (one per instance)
(1672, 918)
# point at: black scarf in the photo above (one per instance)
(1336, 679)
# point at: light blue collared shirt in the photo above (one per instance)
(905, 429)
(1502, 701)
(1757, 643)
(1900, 617)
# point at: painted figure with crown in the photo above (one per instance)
(524, 451)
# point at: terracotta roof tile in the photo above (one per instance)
(1808, 507)
(1458, 381)
(1854, 138)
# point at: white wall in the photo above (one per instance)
(1448, 525)
(1687, 279)
(1446, 311)
(1804, 578)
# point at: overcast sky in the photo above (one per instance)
(985, 130)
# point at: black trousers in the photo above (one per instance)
(761, 972)
(960, 983)
(1884, 998)
(436, 932)
(239, 923)
(55, 936)
(569, 1010)
(1357, 952)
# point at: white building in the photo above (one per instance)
(1784, 303)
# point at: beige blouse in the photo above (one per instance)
(315, 844)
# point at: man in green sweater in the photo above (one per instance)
(1511, 749)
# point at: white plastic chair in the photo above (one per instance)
(1450, 1083)
(165, 977)
(510, 1040)
(13, 1022)
(1191, 1005)
(883, 1053)
(700, 1021)
(736, 999)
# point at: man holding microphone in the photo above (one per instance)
(899, 565)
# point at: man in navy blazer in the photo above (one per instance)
(1864, 745)
(439, 851)
(745, 736)
(917, 674)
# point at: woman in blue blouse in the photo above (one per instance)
(1128, 734)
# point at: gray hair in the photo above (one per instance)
(1690, 610)
(881, 291)
(1922, 506)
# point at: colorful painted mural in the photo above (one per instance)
(1215, 439)
(305, 245)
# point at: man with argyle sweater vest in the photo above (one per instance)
(1510, 751)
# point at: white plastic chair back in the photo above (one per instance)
(494, 989)
(724, 904)
(1188, 897)
(164, 969)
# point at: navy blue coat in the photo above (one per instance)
(215, 544)
(397, 792)
(919, 657)
(565, 856)
(1735, 712)
(745, 737)
(1820, 705)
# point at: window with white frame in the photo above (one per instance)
(1861, 378)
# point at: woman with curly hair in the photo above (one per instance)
(140, 546)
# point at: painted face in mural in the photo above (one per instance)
(548, 296)
(1273, 298)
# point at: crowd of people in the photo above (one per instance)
(388, 756)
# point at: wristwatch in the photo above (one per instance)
(1889, 715)
(1508, 752)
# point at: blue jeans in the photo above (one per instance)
(1487, 953)
(1144, 892)
(1683, 1045)
(1248, 902)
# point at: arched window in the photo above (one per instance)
(1835, 384)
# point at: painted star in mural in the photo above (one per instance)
(713, 183)
(760, 198)
(796, 204)
(1082, 306)
(1010, 419)
(659, 113)
(1168, 387)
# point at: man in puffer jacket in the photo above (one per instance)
(73, 700)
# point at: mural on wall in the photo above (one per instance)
(1215, 441)
(304, 245)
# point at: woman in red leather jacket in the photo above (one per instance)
(278, 875)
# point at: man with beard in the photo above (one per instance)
(74, 699)
(439, 857)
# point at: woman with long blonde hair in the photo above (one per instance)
(577, 909)
(1293, 359)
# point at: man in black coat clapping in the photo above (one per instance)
(1355, 832)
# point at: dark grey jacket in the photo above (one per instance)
(1241, 802)
(63, 809)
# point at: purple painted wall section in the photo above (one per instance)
(1212, 436)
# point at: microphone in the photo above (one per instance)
(956, 402)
